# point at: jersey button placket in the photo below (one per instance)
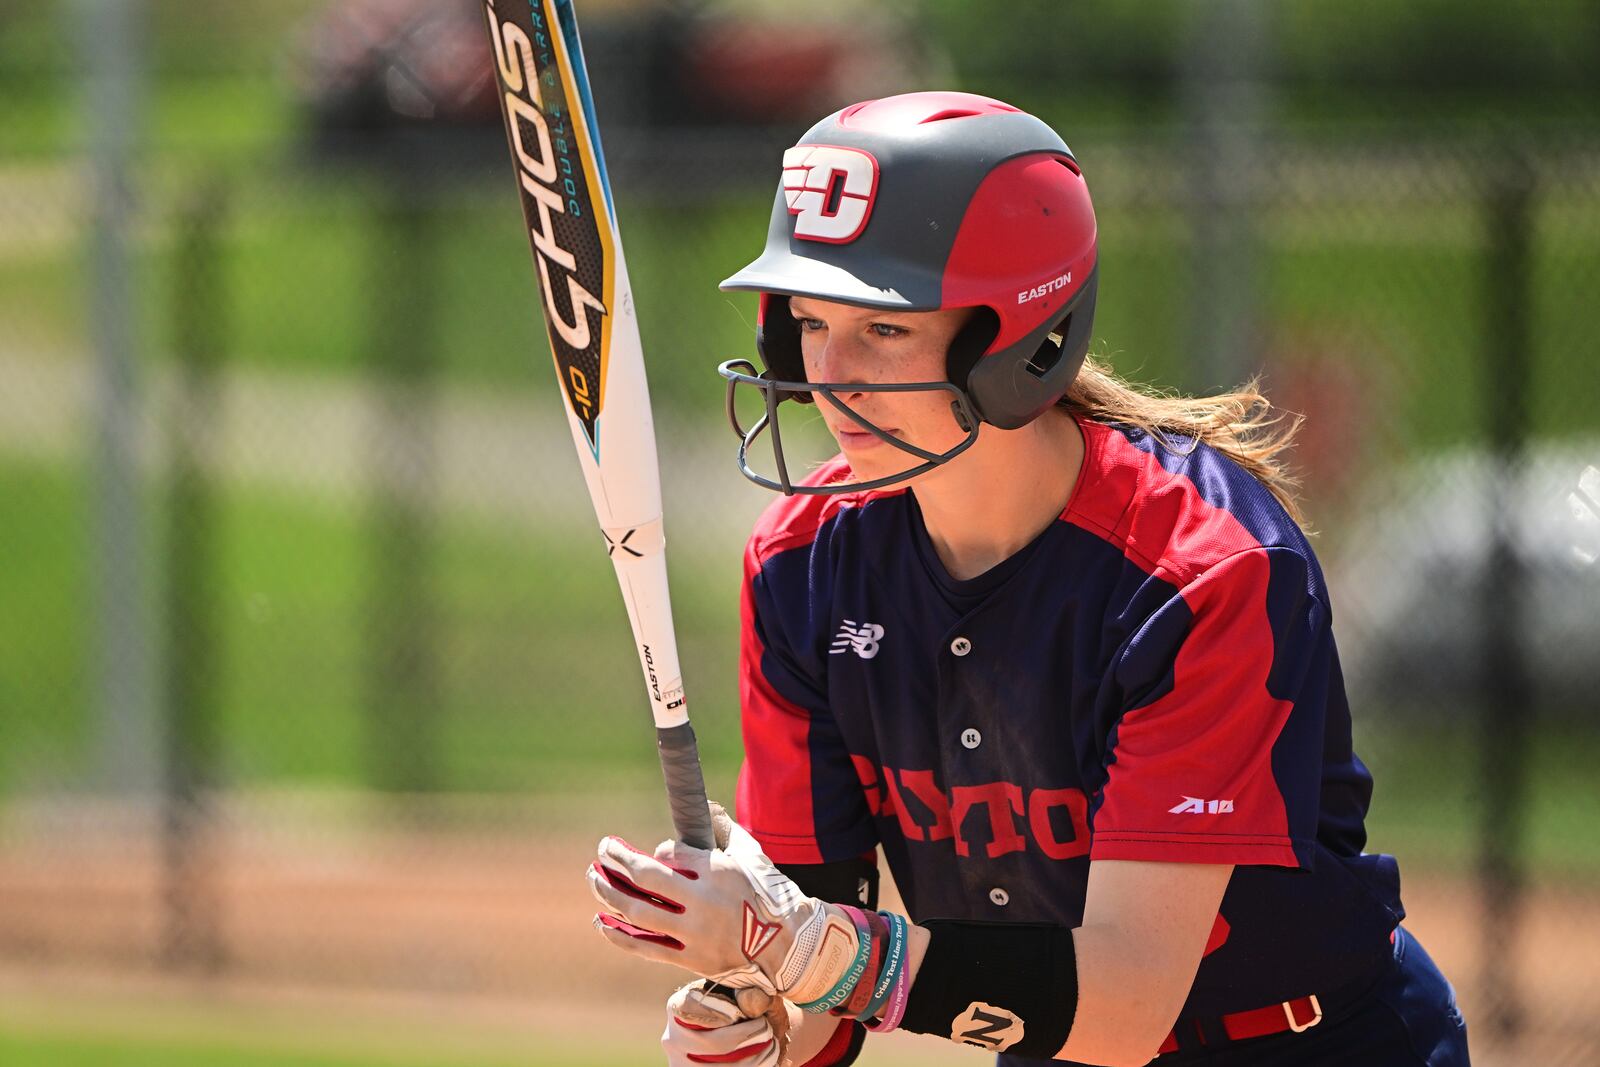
(970, 737)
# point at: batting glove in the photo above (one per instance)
(705, 1026)
(727, 914)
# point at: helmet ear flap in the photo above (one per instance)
(970, 343)
(1075, 330)
(1012, 387)
(778, 344)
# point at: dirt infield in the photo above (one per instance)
(463, 924)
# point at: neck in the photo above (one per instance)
(988, 504)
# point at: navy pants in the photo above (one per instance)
(1409, 1020)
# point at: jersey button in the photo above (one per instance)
(961, 646)
(999, 896)
(971, 738)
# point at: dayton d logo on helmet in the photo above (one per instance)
(917, 203)
(829, 190)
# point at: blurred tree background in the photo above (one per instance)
(312, 671)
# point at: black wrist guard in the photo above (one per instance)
(1005, 987)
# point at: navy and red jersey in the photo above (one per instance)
(1154, 677)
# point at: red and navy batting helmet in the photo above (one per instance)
(927, 201)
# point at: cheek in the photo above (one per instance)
(934, 419)
(809, 353)
(932, 407)
(925, 364)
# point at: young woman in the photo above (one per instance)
(1056, 646)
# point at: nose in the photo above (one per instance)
(842, 360)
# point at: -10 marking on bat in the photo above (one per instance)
(578, 388)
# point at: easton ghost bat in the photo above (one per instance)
(594, 336)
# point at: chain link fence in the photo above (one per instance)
(381, 697)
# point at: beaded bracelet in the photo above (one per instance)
(847, 982)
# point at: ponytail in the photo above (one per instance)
(1242, 425)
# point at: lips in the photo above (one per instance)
(861, 437)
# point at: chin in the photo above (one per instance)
(867, 470)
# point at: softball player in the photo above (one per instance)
(1056, 647)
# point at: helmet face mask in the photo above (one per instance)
(774, 391)
(924, 202)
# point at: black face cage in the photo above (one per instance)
(742, 372)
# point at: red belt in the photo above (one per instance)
(1296, 1015)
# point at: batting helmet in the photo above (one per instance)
(921, 202)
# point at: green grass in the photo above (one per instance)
(217, 119)
(1431, 795)
(533, 641)
(29, 1047)
(56, 1050)
(1394, 290)
(44, 613)
(535, 684)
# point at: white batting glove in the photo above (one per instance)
(707, 1027)
(728, 915)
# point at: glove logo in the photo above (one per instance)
(829, 191)
(757, 934)
(987, 1026)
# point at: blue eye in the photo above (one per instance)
(884, 329)
(808, 325)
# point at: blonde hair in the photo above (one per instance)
(1242, 424)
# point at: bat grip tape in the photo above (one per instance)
(686, 785)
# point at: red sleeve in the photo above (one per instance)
(1203, 764)
(798, 793)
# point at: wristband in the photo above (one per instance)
(900, 990)
(998, 986)
(847, 982)
(894, 941)
(863, 990)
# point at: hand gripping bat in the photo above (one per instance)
(594, 336)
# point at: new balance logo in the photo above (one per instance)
(757, 934)
(1196, 806)
(987, 1026)
(862, 640)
